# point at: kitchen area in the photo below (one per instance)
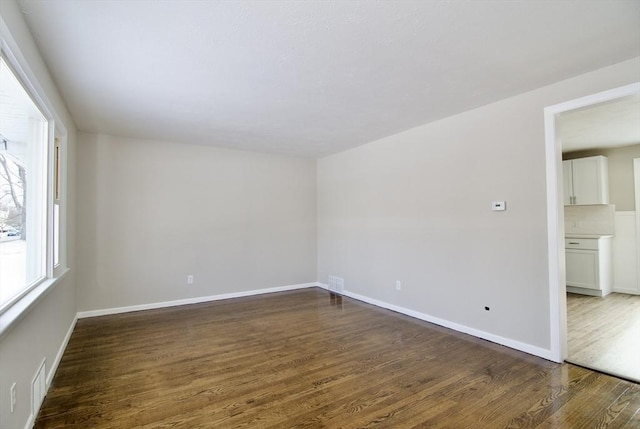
(601, 183)
(589, 226)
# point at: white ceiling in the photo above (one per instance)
(612, 124)
(311, 78)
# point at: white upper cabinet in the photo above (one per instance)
(567, 182)
(586, 181)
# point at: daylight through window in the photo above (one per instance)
(23, 189)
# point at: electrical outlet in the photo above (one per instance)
(398, 285)
(12, 395)
(190, 279)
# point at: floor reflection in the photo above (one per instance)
(335, 299)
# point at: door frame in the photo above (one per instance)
(555, 213)
(636, 187)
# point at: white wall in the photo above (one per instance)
(150, 213)
(415, 207)
(625, 256)
(411, 207)
(41, 333)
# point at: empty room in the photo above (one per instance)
(320, 214)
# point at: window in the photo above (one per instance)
(57, 193)
(30, 190)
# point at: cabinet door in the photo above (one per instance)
(588, 181)
(582, 268)
(567, 182)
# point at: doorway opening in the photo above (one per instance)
(555, 133)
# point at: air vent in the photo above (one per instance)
(38, 390)
(336, 284)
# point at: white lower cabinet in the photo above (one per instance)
(589, 265)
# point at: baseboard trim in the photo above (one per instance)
(585, 291)
(54, 367)
(627, 291)
(513, 344)
(507, 342)
(196, 300)
(63, 347)
(30, 422)
(322, 285)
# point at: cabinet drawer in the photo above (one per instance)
(581, 243)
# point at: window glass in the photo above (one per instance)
(56, 234)
(23, 185)
(57, 191)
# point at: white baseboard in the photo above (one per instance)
(322, 285)
(63, 347)
(627, 291)
(54, 366)
(196, 300)
(30, 422)
(517, 345)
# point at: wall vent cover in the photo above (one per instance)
(336, 284)
(38, 389)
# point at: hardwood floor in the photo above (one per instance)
(306, 359)
(604, 333)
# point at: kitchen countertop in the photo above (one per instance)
(588, 235)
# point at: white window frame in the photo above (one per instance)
(23, 302)
(57, 197)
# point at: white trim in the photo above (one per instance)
(555, 213)
(628, 214)
(21, 66)
(32, 415)
(627, 291)
(30, 421)
(555, 238)
(41, 368)
(62, 203)
(54, 367)
(517, 345)
(63, 347)
(13, 314)
(636, 184)
(322, 286)
(196, 300)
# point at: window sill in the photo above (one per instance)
(20, 309)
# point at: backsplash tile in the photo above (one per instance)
(596, 219)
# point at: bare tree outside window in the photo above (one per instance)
(24, 174)
(12, 194)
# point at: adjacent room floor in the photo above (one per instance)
(604, 333)
(311, 359)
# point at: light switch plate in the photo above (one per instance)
(498, 206)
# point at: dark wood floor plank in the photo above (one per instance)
(307, 359)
